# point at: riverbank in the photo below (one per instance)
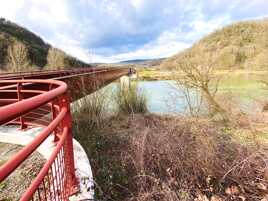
(147, 156)
(153, 74)
(160, 157)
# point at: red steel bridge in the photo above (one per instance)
(42, 98)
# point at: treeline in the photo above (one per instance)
(22, 50)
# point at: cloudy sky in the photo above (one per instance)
(115, 30)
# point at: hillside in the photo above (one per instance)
(22, 50)
(143, 62)
(242, 45)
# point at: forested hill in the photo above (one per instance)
(22, 50)
(242, 45)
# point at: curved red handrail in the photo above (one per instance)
(56, 180)
(22, 155)
(45, 103)
(44, 171)
(12, 111)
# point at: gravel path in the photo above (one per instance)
(16, 184)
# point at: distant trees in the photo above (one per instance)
(18, 56)
(56, 59)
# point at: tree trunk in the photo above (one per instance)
(213, 105)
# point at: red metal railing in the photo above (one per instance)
(56, 180)
(30, 99)
(45, 74)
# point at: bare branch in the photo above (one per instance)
(198, 73)
(18, 56)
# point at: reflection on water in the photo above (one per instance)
(167, 97)
(164, 96)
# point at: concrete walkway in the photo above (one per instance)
(12, 135)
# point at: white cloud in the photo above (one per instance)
(9, 8)
(49, 11)
(169, 42)
(78, 52)
(166, 45)
(123, 30)
(72, 47)
(136, 3)
(202, 27)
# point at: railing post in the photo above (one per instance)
(54, 114)
(72, 183)
(20, 97)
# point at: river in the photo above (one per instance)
(165, 97)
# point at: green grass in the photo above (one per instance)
(2, 185)
(154, 74)
(233, 80)
(247, 88)
(247, 137)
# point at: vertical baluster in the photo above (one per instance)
(20, 97)
(45, 190)
(72, 183)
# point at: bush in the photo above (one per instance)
(131, 100)
(90, 110)
(149, 157)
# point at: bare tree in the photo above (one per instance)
(55, 59)
(18, 56)
(197, 72)
(193, 99)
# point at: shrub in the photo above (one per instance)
(150, 157)
(90, 110)
(131, 100)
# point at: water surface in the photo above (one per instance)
(167, 97)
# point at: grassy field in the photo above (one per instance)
(163, 74)
(153, 74)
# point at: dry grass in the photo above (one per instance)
(150, 157)
(142, 157)
(179, 159)
(91, 110)
(131, 100)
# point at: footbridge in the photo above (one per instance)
(40, 101)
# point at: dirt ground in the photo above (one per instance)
(15, 184)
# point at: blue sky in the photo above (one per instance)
(115, 30)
